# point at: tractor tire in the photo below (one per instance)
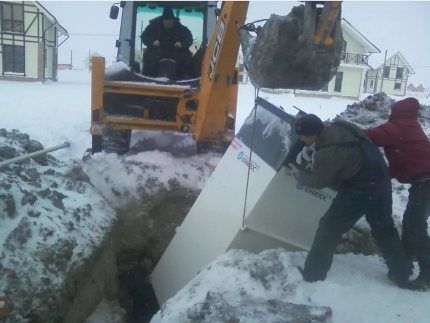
(116, 141)
(96, 146)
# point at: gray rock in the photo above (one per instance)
(19, 236)
(4, 184)
(7, 152)
(77, 174)
(34, 145)
(29, 198)
(57, 258)
(44, 193)
(215, 308)
(7, 205)
(57, 199)
(49, 171)
(33, 213)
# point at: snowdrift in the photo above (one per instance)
(51, 220)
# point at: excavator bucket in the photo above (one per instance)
(248, 203)
(298, 51)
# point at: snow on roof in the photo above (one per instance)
(368, 45)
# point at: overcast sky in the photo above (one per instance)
(390, 25)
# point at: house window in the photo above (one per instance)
(397, 86)
(399, 73)
(371, 83)
(13, 59)
(13, 18)
(338, 82)
(386, 71)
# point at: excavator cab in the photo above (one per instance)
(199, 17)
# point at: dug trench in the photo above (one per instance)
(120, 270)
(119, 273)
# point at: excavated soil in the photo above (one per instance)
(120, 272)
(143, 233)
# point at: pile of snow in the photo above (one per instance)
(51, 220)
(243, 287)
(123, 179)
(376, 109)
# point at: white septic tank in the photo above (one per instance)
(279, 212)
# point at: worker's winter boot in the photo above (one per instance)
(401, 281)
(400, 275)
(421, 283)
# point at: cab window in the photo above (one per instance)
(193, 19)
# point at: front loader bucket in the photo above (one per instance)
(278, 213)
(284, 53)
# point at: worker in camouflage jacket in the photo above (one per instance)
(347, 161)
(166, 38)
(408, 152)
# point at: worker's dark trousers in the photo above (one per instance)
(152, 57)
(415, 237)
(347, 208)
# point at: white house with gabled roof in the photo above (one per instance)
(391, 77)
(350, 76)
(29, 39)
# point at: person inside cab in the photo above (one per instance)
(166, 39)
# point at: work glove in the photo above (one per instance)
(156, 43)
(305, 157)
(291, 170)
(178, 44)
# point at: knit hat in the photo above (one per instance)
(309, 125)
(168, 14)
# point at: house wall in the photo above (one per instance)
(352, 46)
(371, 80)
(50, 37)
(28, 40)
(388, 87)
(387, 84)
(36, 26)
(351, 82)
(31, 17)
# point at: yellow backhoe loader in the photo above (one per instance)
(302, 52)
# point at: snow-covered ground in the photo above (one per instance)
(357, 289)
(242, 285)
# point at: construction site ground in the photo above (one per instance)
(78, 237)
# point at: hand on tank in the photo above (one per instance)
(156, 43)
(178, 44)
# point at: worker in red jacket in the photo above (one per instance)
(408, 152)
